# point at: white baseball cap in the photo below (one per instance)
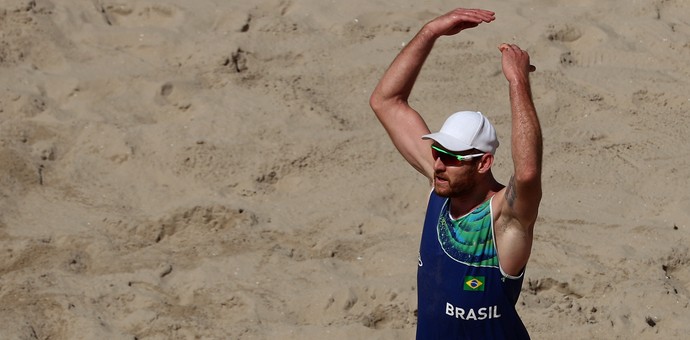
(466, 130)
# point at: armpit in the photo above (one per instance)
(511, 192)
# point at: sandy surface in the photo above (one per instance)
(211, 169)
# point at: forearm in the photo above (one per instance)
(526, 143)
(398, 80)
(389, 100)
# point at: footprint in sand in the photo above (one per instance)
(563, 33)
(138, 15)
(675, 268)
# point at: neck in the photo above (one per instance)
(464, 203)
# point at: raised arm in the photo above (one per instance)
(521, 197)
(404, 125)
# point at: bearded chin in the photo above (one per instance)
(453, 190)
(443, 192)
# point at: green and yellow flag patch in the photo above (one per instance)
(474, 283)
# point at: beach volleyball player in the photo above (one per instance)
(477, 234)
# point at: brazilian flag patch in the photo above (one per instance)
(474, 283)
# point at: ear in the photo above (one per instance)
(485, 163)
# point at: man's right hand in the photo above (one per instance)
(459, 19)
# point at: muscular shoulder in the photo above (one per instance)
(504, 207)
(515, 209)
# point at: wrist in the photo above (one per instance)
(428, 32)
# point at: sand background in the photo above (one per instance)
(211, 169)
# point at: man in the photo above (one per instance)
(477, 234)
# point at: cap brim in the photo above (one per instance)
(448, 142)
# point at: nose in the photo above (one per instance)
(438, 164)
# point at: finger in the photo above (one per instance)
(477, 15)
(503, 47)
(475, 10)
(479, 10)
(469, 17)
(486, 16)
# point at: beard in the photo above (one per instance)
(456, 188)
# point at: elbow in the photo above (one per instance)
(528, 175)
(377, 102)
(528, 169)
(374, 102)
(383, 106)
(529, 178)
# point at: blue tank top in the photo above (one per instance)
(462, 292)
